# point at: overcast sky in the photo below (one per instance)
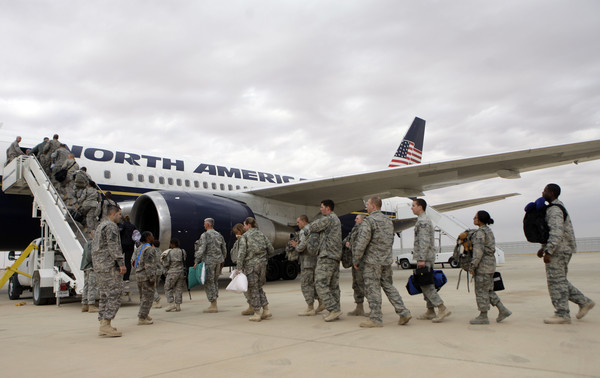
(316, 88)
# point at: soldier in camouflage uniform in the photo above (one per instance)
(483, 267)
(13, 150)
(49, 149)
(373, 250)
(65, 188)
(557, 253)
(109, 266)
(253, 249)
(146, 267)
(238, 230)
(87, 203)
(424, 253)
(308, 263)
(210, 248)
(174, 262)
(90, 286)
(358, 283)
(327, 272)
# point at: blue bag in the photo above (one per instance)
(439, 280)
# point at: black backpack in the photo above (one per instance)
(534, 223)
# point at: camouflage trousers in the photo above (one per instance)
(561, 290)
(484, 291)
(358, 284)
(257, 275)
(327, 282)
(90, 217)
(156, 293)
(307, 285)
(430, 294)
(211, 284)
(174, 287)
(379, 277)
(90, 287)
(146, 297)
(110, 289)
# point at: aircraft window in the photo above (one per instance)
(141, 178)
(214, 186)
(205, 185)
(222, 186)
(130, 177)
(151, 179)
(106, 174)
(245, 187)
(187, 183)
(230, 187)
(170, 181)
(237, 187)
(161, 180)
(178, 182)
(196, 184)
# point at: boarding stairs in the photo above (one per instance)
(25, 176)
(453, 227)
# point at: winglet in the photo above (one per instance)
(410, 149)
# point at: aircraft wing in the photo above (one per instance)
(349, 191)
(451, 206)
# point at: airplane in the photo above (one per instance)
(171, 196)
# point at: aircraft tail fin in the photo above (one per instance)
(411, 148)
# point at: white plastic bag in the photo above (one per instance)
(239, 283)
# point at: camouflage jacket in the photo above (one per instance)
(484, 249)
(254, 247)
(235, 250)
(174, 260)
(107, 253)
(72, 167)
(51, 147)
(424, 240)
(351, 237)
(305, 260)
(210, 248)
(62, 155)
(562, 235)
(13, 151)
(89, 198)
(146, 263)
(331, 228)
(374, 240)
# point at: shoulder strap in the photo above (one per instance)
(137, 261)
(562, 208)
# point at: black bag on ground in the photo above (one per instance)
(423, 276)
(498, 284)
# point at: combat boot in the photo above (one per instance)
(93, 308)
(442, 314)
(370, 324)
(266, 314)
(583, 310)
(177, 307)
(310, 311)
(481, 319)
(557, 320)
(171, 307)
(248, 311)
(503, 312)
(358, 311)
(333, 316)
(320, 307)
(84, 308)
(144, 321)
(256, 317)
(430, 314)
(107, 330)
(212, 308)
(157, 304)
(404, 319)
(148, 317)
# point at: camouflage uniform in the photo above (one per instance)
(358, 282)
(107, 258)
(102, 208)
(60, 156)
(49, 149)
(146, 267)
(13, 151)
(174, 262)
(424, 251)
(561, 245)
(484, 265)
(88, 201)
(66, 187)
(327, 272)
(253, 249)
(90, 286)
(307, 268)
(373, 249)
(210, 248)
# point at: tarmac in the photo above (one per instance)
(62, 341)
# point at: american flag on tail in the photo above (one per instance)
(406, 154)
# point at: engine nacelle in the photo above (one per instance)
(181, 215)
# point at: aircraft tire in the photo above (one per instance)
(290, 270)
(273, 271)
